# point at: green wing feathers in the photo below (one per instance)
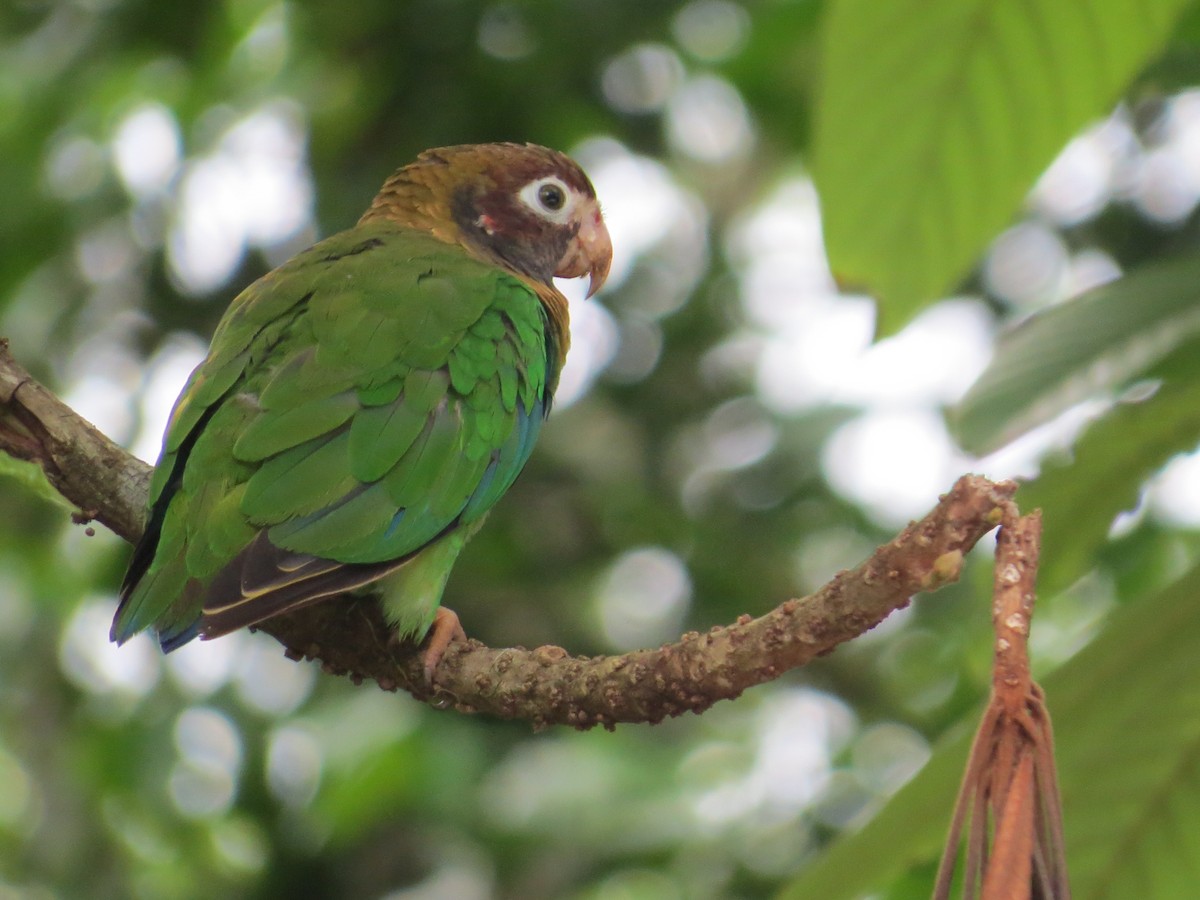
(367, 401)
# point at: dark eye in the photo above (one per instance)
(551, 197)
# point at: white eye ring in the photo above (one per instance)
(540, 196)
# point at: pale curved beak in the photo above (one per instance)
(590, 253)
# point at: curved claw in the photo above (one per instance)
(444, 631)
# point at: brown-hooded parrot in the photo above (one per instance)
(364, 405)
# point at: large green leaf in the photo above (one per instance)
(935, 117)
(1100, 340)
(1126, 711)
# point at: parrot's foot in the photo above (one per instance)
(445, 630)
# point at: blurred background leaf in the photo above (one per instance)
(1121, 791)
(726, 434)
(1102, 342)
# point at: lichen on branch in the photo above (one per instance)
(545, 686)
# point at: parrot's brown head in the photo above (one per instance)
(527, 208)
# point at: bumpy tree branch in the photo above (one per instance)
(545, 686)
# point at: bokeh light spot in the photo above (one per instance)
(294, 764)
(893, 464)
(708, 120)
(253, 190)
(200, 791)
(644, 598)
(200, 668)
(98, 666)
(796, 733)
(1175, 492)
(504, 33)
(1083, 178)
(1026, 264)
(208, 737)
(642, 79)
(147, 149)
(711, 30)
(268, 681)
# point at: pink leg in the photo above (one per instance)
(445, 629)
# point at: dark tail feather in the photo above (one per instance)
(264, 580)
(173, 640)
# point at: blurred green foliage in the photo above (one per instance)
(158, 157)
